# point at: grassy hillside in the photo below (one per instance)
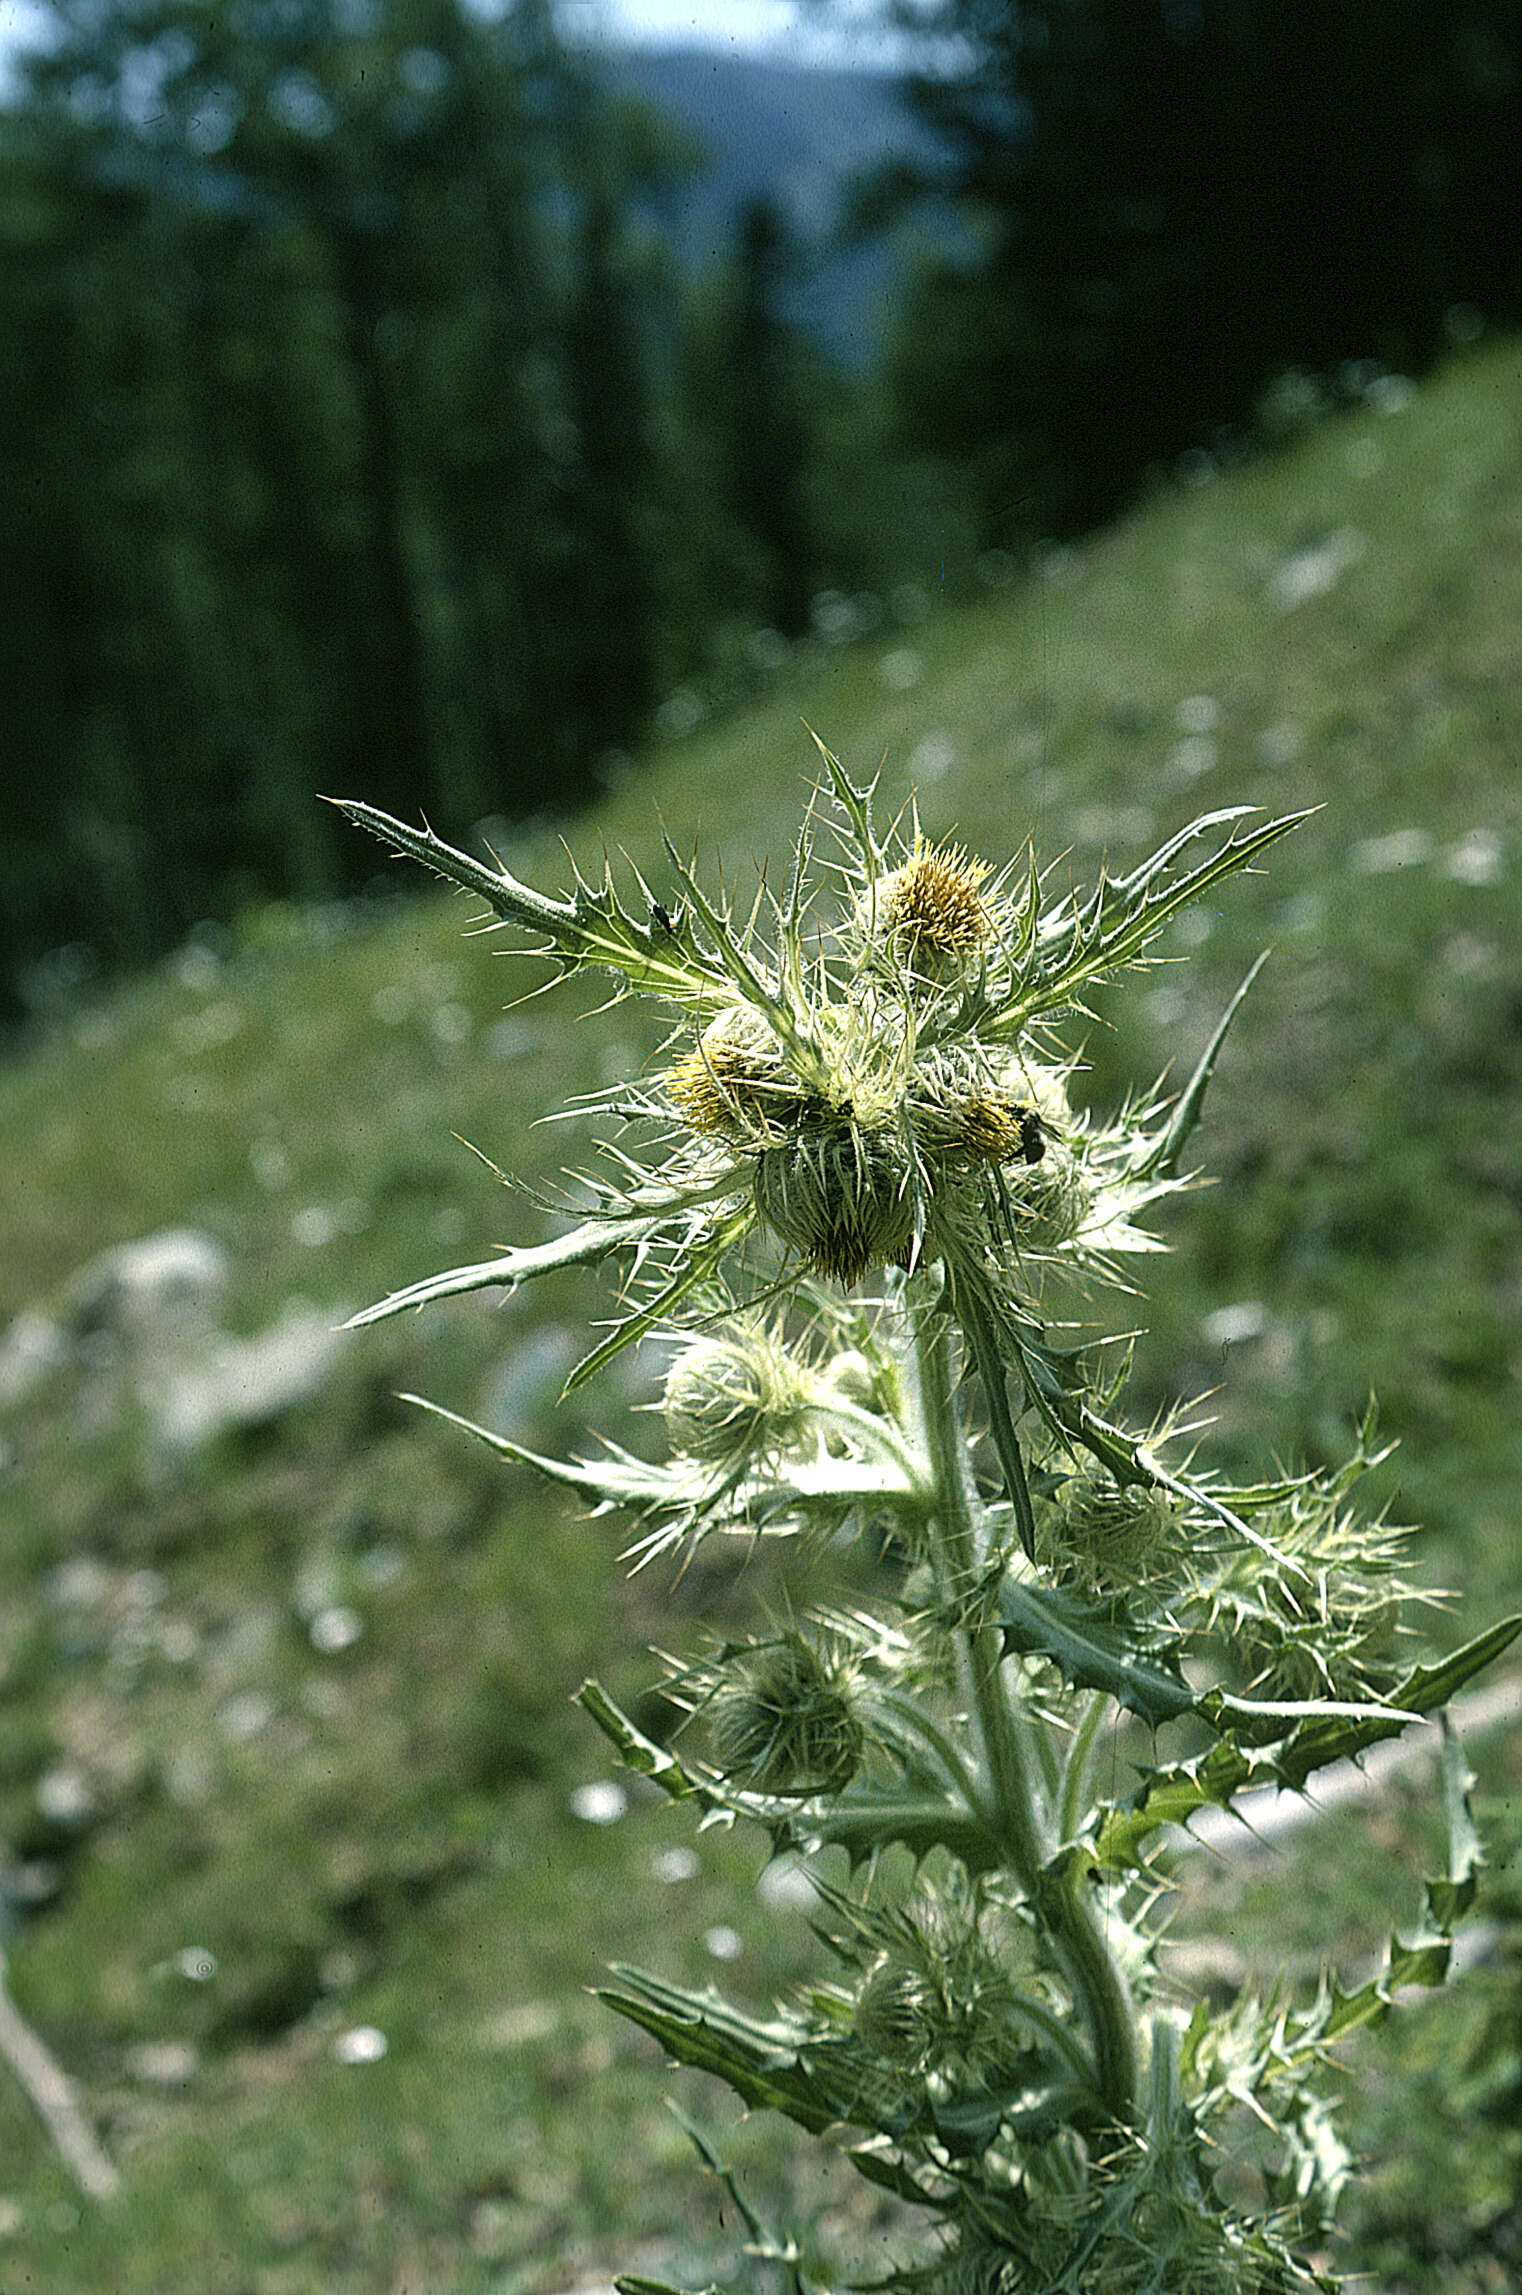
(299, 1891)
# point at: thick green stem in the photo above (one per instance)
(1005, 1734)
(1075, 1772)
(1008, 1755)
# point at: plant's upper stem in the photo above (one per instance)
(1005, 1734)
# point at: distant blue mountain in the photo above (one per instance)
(802, 136)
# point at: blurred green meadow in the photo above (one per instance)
(310, 1863)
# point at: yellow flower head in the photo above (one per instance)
(933, 903)
(982, 1126)
(733, 1084)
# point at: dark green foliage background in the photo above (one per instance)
(356, 432)
(359, 427)
(1176, 202)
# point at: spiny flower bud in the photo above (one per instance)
(1328, 1647)
(840, 1196)
(899, 2014)
(1051, 1200)
(968, 1109)
(932, 906)
(1112, 1527)
(979, 2266)
(784, 1721)
(734, 1398)
(734, 1083)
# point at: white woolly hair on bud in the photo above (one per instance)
(733, 1398)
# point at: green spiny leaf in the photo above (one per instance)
(1092, 1648)
(661, 958)
(1124, 916)
(1172, 1796)
(747, 982)
(856, 804)
(695, 1266)
(1450, 1894)
(865, 1822)
(759, 2061)
(644, 1758)
(594, 1240)
(982, 1337)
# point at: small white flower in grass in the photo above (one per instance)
(1166, 1006)
(1281, 743)
(767, 648)
(270, 1164)
(787, 1881)
(1195, 927)
(1400, 849)
(679, 714)
(451, 1025)
(335, 1628)
(78, 1584)
(1198, 713)
(1195, 755)
(1311, 572)
(64, 1797)
(198, 965)
(602, 1802)
(901, 668)
(1233, 1326)
(1390, 394)
(163, 2063)
(1475, 859)
(932, 758)
(1060, 565)
(245, 1715)
(834, 617)
(360, 2044)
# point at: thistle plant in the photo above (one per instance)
(865, 1222)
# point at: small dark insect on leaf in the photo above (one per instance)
(663, 919)
(1032, 1133)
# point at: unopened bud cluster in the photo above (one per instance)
(858, 1139)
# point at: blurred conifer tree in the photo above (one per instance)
(1172, 201)
(768, 431)
(328, 463)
